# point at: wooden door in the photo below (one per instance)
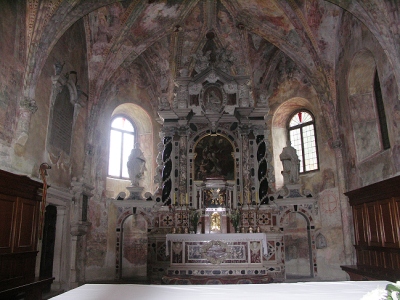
(48, 242)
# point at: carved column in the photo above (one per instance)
(79, 226)
(244, 132)
(167, 170)
(159, 161)
(27, 108)
(345, 209)
(262, 171)
(183, 160)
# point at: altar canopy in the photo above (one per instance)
(346, 290)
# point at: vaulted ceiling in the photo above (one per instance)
(158, 39)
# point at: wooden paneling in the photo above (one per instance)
(376, 215)
(390, 234)
(8, 206)
(19, 213)
(373, 225)
(26, 225)
(359, 229)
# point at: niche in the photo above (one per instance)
(298, 256)
(134, 247)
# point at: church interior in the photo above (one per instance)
(171, 142)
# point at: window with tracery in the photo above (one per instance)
(303, 138)
(122, 140)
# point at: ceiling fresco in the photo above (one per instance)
(151, 42)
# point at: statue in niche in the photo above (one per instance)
(215, 222)
(291, 164)
(163, 103)
(136, 165)
(202, 60)
(225, 60)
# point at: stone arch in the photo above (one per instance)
(124, 215)
(279, 130)
(305, 240)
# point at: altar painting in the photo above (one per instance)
(214, 158)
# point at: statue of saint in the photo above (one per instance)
(202, 60)
(291, 164)
(136, 165)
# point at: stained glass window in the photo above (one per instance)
(303, 139)
(122, 140)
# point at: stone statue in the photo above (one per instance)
(291, 164)
(136, 165)
(202, 60)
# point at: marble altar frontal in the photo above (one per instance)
(223, 254)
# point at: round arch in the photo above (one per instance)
(279, 130)
(119, 230)
(144, 135)
(307, 245)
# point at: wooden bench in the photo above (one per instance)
(362, 273)
(31, 290)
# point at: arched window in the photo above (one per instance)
(122, 140)
(381, 112)
(303, 139)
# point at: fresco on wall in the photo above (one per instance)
(214, 158)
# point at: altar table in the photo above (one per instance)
(221, 255)
(341, 290)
